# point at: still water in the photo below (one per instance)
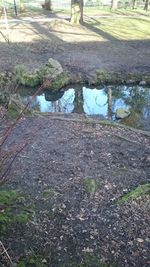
(99, 102)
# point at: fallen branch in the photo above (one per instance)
(6, 253)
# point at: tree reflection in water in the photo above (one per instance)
(102, 102)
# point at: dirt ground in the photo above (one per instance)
(69, 227)
(69, 224)
(78, 48)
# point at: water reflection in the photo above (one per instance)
(102, 102)
(63, 104)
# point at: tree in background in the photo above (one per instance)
(77, 11)
(47, 5)
(134, 4)
(22, 6)
(146, 7)
(114, 4)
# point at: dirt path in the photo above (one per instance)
(79, 49)
(68, 225)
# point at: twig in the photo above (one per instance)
(3, 177)
(5, 251)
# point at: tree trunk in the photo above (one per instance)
(78, 101)
(47, 5)
(146, 5)
(77, 11)
(22, 6)
(110, 103)
(134, 4)
(15, 8)
(114, 4)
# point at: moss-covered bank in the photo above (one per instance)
(12, 209)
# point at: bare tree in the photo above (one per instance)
(114, 4)
(77, 11)
(22, 6)
(134, 4)
(146, 7)
(47, 5)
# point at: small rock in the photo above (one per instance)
(130, 81)
(142, 83)
(140, 240)
(122, 113)
(44, 261)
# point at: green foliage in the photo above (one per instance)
(90, 185)
(26, 77)
(32, 261)
(11, 210)
(139, 191)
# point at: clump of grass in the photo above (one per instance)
(90, 185)
(139, 191)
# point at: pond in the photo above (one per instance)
(97, 102)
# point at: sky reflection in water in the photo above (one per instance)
(101, 102)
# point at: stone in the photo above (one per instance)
(50, 70)
(142, 83)
(140, 240)
(122, 113)
(51, 75)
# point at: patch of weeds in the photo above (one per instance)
(50, 193)
(90, 185)
(11, 210)
(32, 261)
(139, 191)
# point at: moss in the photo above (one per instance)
(6, 81)
(139, 191)
(106, 77)
(12, 112)
(26, 77)
(51, 71)
(90, 185)
(61, 80)
(32, 261)
(12, 210)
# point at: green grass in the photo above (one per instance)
(122, 28)
(90, 185)
(139, 191)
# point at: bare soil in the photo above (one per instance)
(69, 224)
(78, 48)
